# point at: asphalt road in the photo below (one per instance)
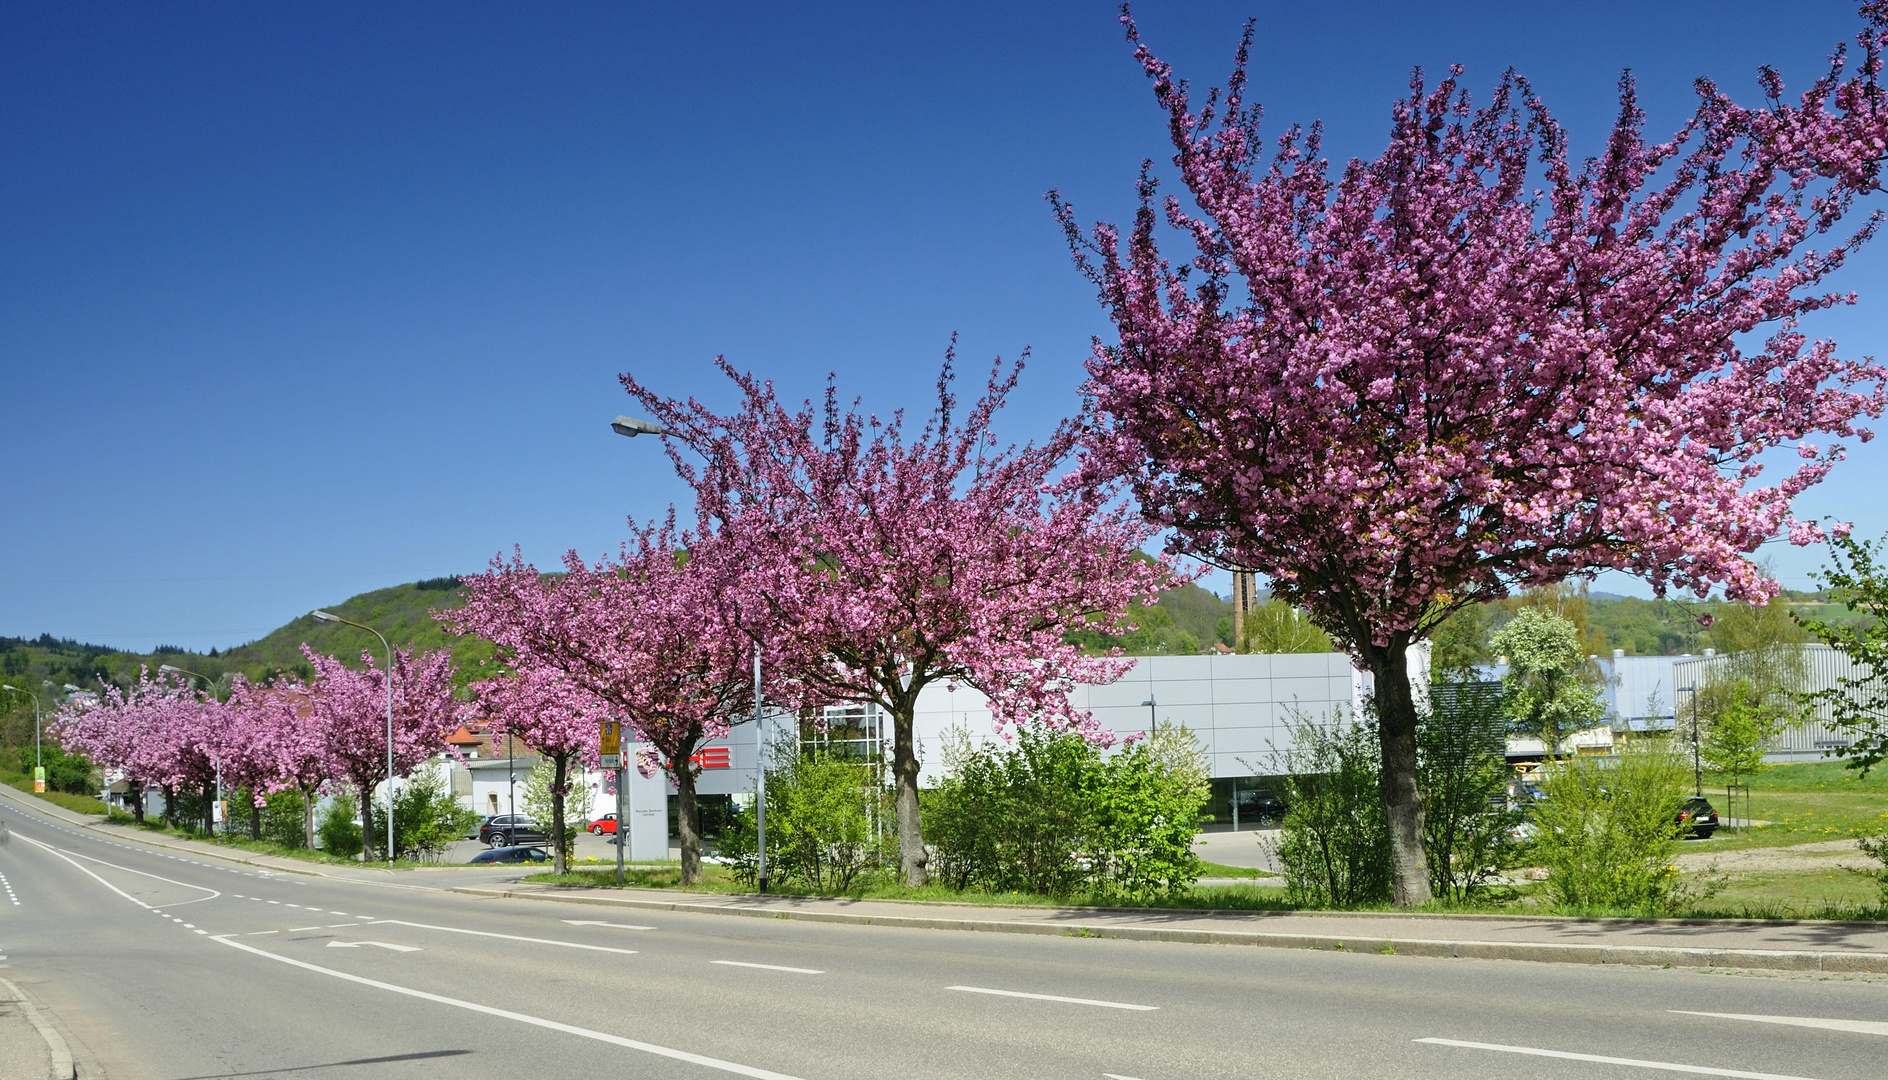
(162, 967)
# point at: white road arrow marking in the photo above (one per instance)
(375, 944)
(615, 925)
(1865, 1027)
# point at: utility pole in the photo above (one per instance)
(760, 777)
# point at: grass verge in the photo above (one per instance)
(78, 804)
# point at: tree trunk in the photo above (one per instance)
(143, 791)
(367, 821)
(255, 818)
(209, 810)
(560, 776)
(170, 805)
(308, 817)
(1402, 802)
(687, 819)
(912, 856)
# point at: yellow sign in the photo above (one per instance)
(612, 737)
(39, 779)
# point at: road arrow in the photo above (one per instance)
(617, 925)
(375, 944)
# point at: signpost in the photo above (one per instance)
(612, 753)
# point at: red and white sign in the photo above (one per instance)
(712, 757)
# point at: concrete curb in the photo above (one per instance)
(63, 1067)
(1540, 952)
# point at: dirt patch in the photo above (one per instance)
(1824, 855)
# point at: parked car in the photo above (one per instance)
(478, 831)
(511, 855)
(506, 830)
(1260, 807)
(1697, 818)
(603, 825)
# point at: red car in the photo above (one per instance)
(604, 824)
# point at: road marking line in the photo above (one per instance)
(299, 929)
(507, 937)
(1865, 1027)
(594, 922)
(341, 925)
(535, 1021)
(375, 944)
(1118, 1076)
(769, 967)
(1665, 1066)
(60, 854)
(259, 933)
(1054, 997)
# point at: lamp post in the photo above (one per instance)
(1150, 713)
(325, 616)
(216, 760)
(1697, 772)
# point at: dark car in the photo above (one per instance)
(511, 855)
(505, 830)
(1259, 806)
(1697, 818)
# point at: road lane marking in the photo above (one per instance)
(341, 925)
(1663, 1066)
(523, 1018)
(1118, 1076)
(616, 925)
(507, 937)
(148, 907)
(1865, 1027)
(259, 933)
(376, 944)
(769, 967)
(299, 929)
(9, 887)
(1054, 997)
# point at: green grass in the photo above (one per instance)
(80, 804)
(258, 847)
(1804, 804)
(1213, 869)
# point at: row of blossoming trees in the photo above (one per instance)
(1466, 366)
(289, 734)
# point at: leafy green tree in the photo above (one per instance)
(1459, 645)
(1462, 771)
(1277, 627)
(1743, 726)
(1549, 683)
(1858, 703)
(541, 803)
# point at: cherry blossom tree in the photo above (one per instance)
(289, 741)
(554, 716)
(1470, 365)
(349, 706)
(119, 728)
(655, 635)
(882, 564)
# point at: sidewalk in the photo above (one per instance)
(1780, 946)
(30, 1049)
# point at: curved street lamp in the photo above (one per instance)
(326, 616)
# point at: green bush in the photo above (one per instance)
(283, 819)
(828, 824)
(69, 773)
(426, 818)
(1876, 847)
(1608, 829)
(340, 833)
(1462, 771)
(1052, 815)
(1334, 841)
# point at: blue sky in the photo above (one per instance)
(302, 300)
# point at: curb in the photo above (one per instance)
(63, 1067)
(1538, 952)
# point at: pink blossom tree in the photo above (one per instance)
(119, 729)
(882, 564)
(349, 706)
(287, 741)
(554, 716)
(1469, 365)
(654, 634)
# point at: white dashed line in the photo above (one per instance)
(769, 967)
(9, 888)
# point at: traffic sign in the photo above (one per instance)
(611, 762)
(612, 737)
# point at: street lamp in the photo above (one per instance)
(326, 616)
(631, 427)
(37, 763)
(1697, 773)
(173, 669)
(1150, 713)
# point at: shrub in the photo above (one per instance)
(340, 833)
(1334, 842)
(282, 819)
(828, 821)
(426, 818)
(1607, 829)
(1462, 770)
(1052, 815)
(1876, 847)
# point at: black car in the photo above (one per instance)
(511, 855)
(1697, 818)
(505, 830)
